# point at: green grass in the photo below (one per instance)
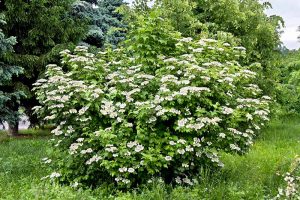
(252, 176)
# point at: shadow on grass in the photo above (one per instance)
(25, 134)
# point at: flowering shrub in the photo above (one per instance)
(119, 121)
(292, 180)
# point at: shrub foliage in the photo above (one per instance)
(120, 120)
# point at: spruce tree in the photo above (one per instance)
(9, 97)
(105, 24)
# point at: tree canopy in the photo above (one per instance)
(42, 28)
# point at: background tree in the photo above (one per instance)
(8, 95)
(43, 28)
(182, 16)
(257, 32)
(246, 22)
(288, 88)
(105, 23)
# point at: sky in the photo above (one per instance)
(289, 10)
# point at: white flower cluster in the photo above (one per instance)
(292, 183)
(93, 159)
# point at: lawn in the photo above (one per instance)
(252, 176)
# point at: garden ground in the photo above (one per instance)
(256, 175)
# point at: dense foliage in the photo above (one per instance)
(105, 25)
(43, 28)
(246, 21)
(289, 86)
(162, 106)
(8, 96)
(257, 32)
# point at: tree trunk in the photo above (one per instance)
(13, 129)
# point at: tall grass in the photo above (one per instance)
(256, 175)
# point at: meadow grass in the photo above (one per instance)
(256, 175)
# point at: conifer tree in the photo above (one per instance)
(43, 28)
(105, 24)
(8, 95)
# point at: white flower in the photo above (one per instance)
(95, 158)
(249, 116)
(209, 40)
(185, 165)
(123, 169)
(188, 39)
(222, 135)
(250, 131)
(187, 181)
(181, 141)
(189, 148)
(55, 175)
(198, 50)
(240, 48)
(168, 158)
(83, 110)
(74, 147)
(74, 185)
(129, 125)
(89, 150)
(122, 106)
(266, 97)
(131, 144)
(178, 180)
(227, 111)
(95, 95)
(139, 148)
(111, 149)
(181, 151)
(131, 170)
(256, 127)
(234, 147)
(126, 181)
(172, 143)
(80, 140)
(182, 122)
